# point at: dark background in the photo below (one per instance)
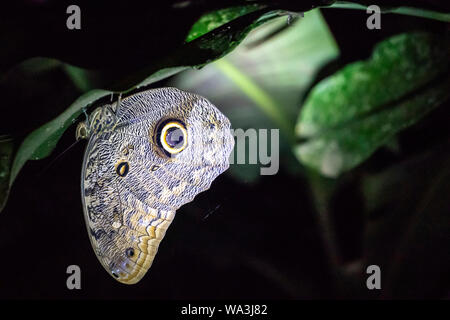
(257, 241)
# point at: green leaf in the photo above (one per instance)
(41, 142)
(261, 83)
(215, 19)
(349, 115)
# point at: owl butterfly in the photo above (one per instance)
(147, 155)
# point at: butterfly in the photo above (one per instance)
(147, 155)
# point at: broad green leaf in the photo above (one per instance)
(261, 83)
(215, 19)
(349, 115)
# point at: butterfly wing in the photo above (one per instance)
(131, 189)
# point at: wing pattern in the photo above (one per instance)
(131, 189)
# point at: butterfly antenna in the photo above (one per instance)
(58, 157)
(119, 100)
(211, 212)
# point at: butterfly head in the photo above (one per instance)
(101, 120)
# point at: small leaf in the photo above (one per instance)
(349, 115)
(215, 19)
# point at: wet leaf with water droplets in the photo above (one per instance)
(351, 114)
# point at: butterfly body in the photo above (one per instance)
(147, 156)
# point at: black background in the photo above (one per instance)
(233, 241)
